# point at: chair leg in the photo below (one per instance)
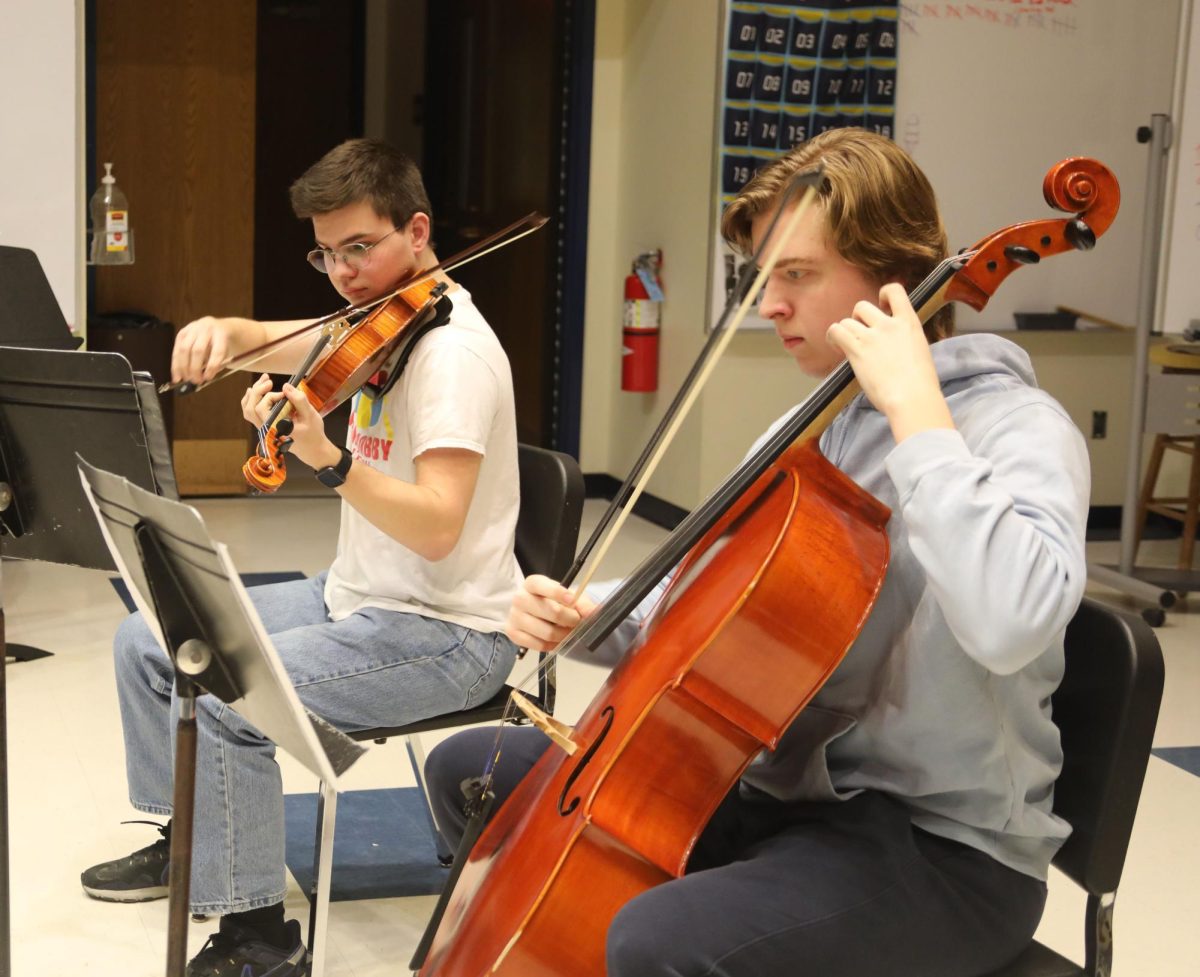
(1147, 494)
(318, 913)
(1098, 938)
(416, 756)
(1192, 507)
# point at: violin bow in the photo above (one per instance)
(500, 239)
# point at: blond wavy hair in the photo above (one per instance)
(881, 210)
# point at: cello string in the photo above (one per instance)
(745, 279)
(778, 239)
(748, 300)
(925, 299)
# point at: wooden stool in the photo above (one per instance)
(1183, 508)
(1172, 403)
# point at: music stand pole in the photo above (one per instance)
(182, 811)
(10, 523)
(192, 656)
(5, 953)
(188, 591)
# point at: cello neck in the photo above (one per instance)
(806, 422)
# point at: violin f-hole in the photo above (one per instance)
(583, 762)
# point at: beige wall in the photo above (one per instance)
(647, 191)
(652, 159)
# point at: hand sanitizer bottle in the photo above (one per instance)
(112, 236)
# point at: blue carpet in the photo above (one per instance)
(1184, 757)
(248, 580)
(382, 845)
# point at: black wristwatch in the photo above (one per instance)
(335, 475)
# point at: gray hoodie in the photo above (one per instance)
(943, 701)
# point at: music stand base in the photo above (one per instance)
(25, 653)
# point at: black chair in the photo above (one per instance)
(552, 493)
(1106, 709)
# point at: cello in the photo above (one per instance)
(724, 666)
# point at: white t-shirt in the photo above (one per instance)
(455, 392)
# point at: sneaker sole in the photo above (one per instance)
(148, 894)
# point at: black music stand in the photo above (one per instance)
(192, 599)
(52, 403)
(31, 319)
(29, 312)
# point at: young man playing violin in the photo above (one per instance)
(904, 824)
(408, 622)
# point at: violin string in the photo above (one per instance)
(491, 243)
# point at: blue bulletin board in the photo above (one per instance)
(791, 71)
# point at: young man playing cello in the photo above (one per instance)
(407, 622)
(904, 824)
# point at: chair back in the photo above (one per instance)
(551, 506)
(1106, 709)
(552, 495)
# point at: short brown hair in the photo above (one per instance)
(362, 170)
(882, 213)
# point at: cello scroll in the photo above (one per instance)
(1080, 185)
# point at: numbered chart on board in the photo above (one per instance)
(791, 71)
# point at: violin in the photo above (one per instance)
(778, 571)
(345, 356)
(329, 376)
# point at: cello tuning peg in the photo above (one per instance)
(1022, 255)
(284, 426)
(284, 444)
(1082, 237)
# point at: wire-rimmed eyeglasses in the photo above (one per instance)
(357, 255)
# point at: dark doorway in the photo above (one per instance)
(496, 122)
(309, 98)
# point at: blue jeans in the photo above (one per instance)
(374, 668)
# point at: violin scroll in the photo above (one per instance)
(265, 470)
(1079, 185)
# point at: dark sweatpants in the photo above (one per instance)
(792, 890)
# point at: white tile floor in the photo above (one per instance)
(67, 783)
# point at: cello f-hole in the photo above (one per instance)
(583, 762)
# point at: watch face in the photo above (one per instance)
(331, 477)
(335, 475)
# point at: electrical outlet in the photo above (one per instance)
(1099, 425)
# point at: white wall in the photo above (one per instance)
(652, 152)
(41, 141)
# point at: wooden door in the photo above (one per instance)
(175, 113)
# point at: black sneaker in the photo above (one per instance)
(236, 951)
(139, 877)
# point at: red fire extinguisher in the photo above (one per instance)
(643, 311)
